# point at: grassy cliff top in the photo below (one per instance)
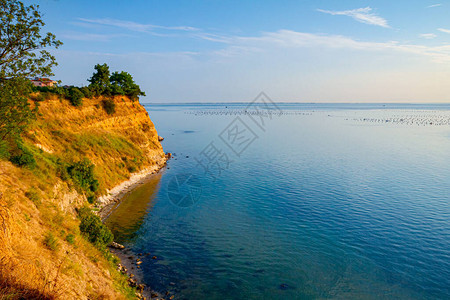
(79, 153)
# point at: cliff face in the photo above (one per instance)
(118, 144)
(42, 252)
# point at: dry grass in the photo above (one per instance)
(32, 265)
(37, 208)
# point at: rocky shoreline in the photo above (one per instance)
(130, 265)
(106, 203)
(129, 261)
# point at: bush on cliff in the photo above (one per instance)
(82, 174)
(109, 106)
(93, 228)
(86, 91)
(123, 84)
(76, 96)
(23, 157)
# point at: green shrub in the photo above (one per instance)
(51, 242)
(82, 174)
(91, 198)
(4, 150)
(61, 170)
(93, 228)
(61, 92)
(76, 97)
(70, 238)
(109, 106)
(86, 92)
(23, 157)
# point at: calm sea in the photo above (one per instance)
(296, 201)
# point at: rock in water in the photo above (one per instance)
(117, 246)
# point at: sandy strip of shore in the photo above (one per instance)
(108, 202)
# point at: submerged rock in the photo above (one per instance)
(132, 282)
(117, 246)
(140, 287)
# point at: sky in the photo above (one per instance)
(226, 51)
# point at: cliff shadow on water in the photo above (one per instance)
(129, 215)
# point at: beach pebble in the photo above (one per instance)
(117, 246)
(141, 287)
(132, 282)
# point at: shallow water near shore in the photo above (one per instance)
(317, 201)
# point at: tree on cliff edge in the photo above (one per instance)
(123, 84)
(101, 83)
(100, 79)
(22, 47)
(22, 55)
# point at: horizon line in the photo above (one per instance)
(296, 102)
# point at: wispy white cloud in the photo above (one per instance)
(427, 36)
(434, 5)
(81, 36)
(289, 64)
(444, 30)
(363, 15)
(284, 39)
(134, 26)
(243, 45)
(213, 37)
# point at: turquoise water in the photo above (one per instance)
(322, 201)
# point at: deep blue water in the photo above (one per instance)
(316, 202)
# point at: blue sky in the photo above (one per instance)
(302, 51)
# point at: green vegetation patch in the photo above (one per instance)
(109, 106)
(51, 242)
(93, 229)
(23, 157)
(82, 174)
